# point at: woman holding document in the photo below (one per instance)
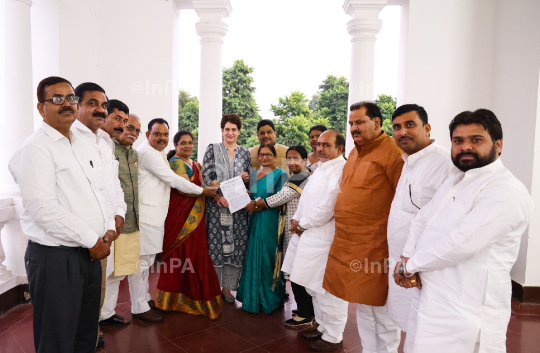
(227, 232)
(190, 284)
(262, 286)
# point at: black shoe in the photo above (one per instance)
(295, 312)
(321, 345)
(311, 335)
(100, 344)
(298, 321)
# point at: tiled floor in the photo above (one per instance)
(234, 331)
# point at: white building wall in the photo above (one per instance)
(449, 59)
(470, 54)
(125, 46)
(515, 102)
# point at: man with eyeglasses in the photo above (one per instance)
(92, 107)
(126, 247)
(66, 220)
(427, 165)
(155, 179)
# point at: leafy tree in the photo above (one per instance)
(314, 101)
(293, 116)
(238, 99)
(188, 117)
(387, 104)
(333, 102)
(295, 104)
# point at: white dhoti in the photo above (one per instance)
(413, 316)
(330, 314)
(378, 333)
(139, 287)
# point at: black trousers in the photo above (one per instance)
(65, 289)
(304, 301)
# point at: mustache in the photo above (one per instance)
(132, 136)
(404, 138)
(162, 141)
(65, 109)
(119, 129)
(473, 154)
(356, 133)
(100, 115)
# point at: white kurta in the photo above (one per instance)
(464, 244)
(422, 175)
(307, 255)
(155, 181)
(105, 167)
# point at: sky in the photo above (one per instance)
(291, 45)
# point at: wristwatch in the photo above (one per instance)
(402, 269)
(257, 199)
(300, 228)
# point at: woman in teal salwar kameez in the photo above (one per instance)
(262, 287)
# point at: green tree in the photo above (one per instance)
(238, 98)
(387, 104)
(188, 117)
(292, 116)
(295, 104)
(333, 102)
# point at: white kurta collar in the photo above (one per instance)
(330, 163)
(413, 158)
(100, 134)
(54, 134)
(485, 169)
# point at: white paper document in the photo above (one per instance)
(234, 191)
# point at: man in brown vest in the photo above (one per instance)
(357, 264)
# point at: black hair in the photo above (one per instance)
(176, 139)
(157, 121)
(406, 108)
(318, 127)
(46, 82)
(270, 147)
(116, 104)
(300, 149)
(372, 110)
(340, 139)
(88, 87)
(484, 117)
(265, 122)
(233, 119)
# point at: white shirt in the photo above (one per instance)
(307, 255)
(464, 244)
(62, 203)
(422, 175)
(104, 166)
(155, 181)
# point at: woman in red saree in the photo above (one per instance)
(188, 283)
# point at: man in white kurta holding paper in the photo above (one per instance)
(464, 243)
(308, 249)
(427, 165)
(155, 181)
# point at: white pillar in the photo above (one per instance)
(363, 28)
(211, 29)
(16, 117)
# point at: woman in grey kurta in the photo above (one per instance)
(227, 233)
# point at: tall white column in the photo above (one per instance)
(212, 30)
(363, 28)
(16, 117)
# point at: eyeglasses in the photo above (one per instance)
(267, 155)
(131, 128)
(59, 100)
